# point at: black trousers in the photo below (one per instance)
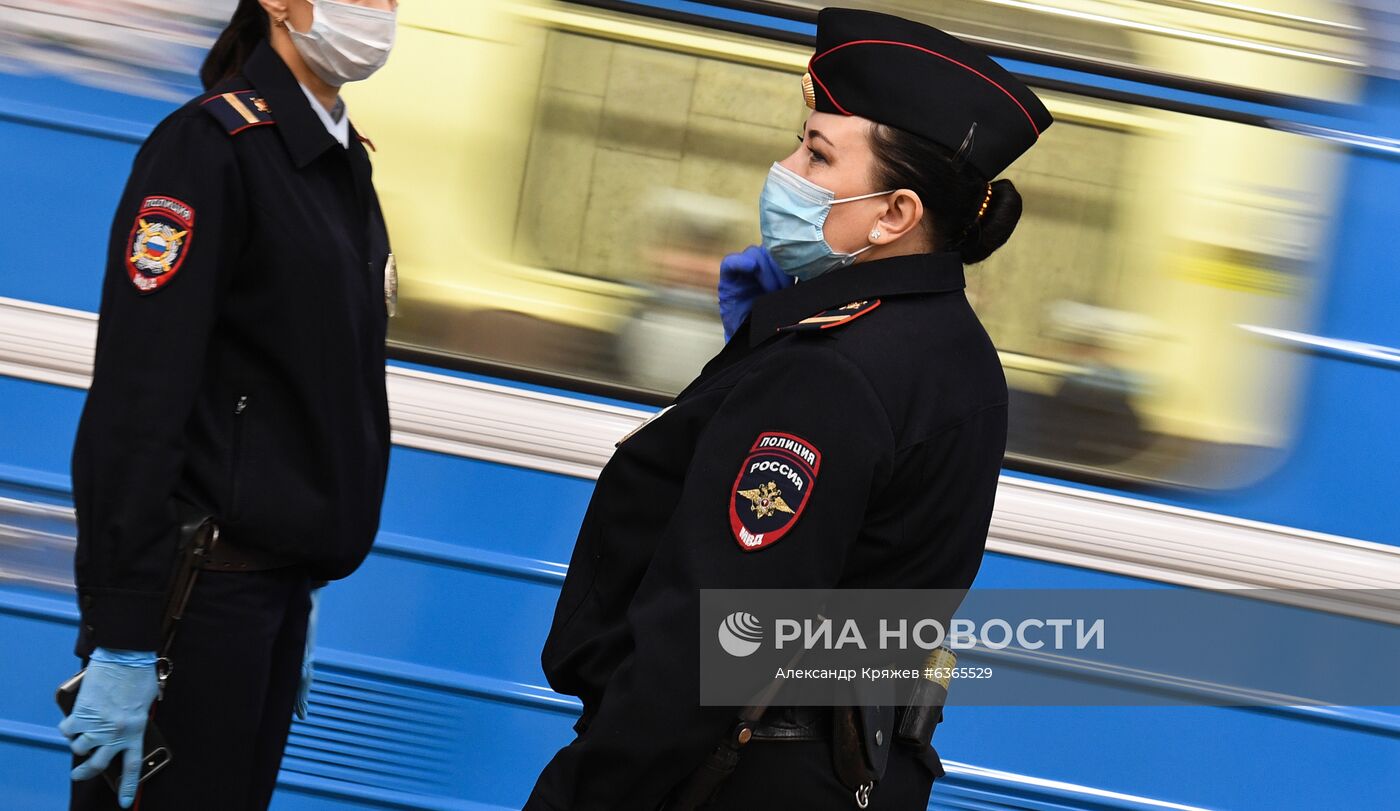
(799, 774)
(228, 703)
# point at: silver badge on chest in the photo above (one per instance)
(391, 287)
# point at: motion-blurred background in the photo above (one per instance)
(1196, 315)
(561, 185)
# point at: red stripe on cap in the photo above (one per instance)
(818, 80)
(979, 73)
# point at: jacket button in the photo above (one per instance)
(879, 737)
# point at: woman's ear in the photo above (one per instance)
(903, 213)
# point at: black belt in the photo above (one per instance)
(227, 557)
(794, 724)
(802, 723)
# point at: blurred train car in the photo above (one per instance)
(1196, 318)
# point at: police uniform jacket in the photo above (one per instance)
(873, 401)
(240, 351)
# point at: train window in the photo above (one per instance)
(634, 172)
(1149, 242)
(568, 214)
(1302, 48)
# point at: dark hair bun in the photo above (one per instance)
(951, 190)
(994, 227)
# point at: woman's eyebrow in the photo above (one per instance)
(818, 134)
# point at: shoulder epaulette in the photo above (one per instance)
(826, 319)
(238, 110)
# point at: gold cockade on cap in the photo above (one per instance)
(809, 93)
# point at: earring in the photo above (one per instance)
(279, 21)
(875, 234)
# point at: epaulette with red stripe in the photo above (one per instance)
(839, 316)
(238, 110)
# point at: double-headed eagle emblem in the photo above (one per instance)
(766, 500)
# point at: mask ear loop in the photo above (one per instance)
(850, 257)
(862, 196)
(875, 233)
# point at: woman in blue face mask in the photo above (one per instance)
(850, 434)
(239, 375)
(804, 214)
(805, 199)
(854, 190)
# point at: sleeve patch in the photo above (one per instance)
(773, 487)
(159, 242)
(239, 110)
(826, 319)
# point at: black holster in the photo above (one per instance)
(198, 537)
(860, 747)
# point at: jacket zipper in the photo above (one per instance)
(236, 463)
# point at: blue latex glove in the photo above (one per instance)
(743, 277)
(308, 662)
(109, 716)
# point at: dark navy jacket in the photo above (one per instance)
(240, 351)
(879, 401)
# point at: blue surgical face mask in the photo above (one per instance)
(791, 213)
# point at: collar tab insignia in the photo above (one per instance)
(835, 317)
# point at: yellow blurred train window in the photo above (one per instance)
(561, 198)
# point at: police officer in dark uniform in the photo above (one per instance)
(872, 376)
(239, 372)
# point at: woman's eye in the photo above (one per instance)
(812, 153)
